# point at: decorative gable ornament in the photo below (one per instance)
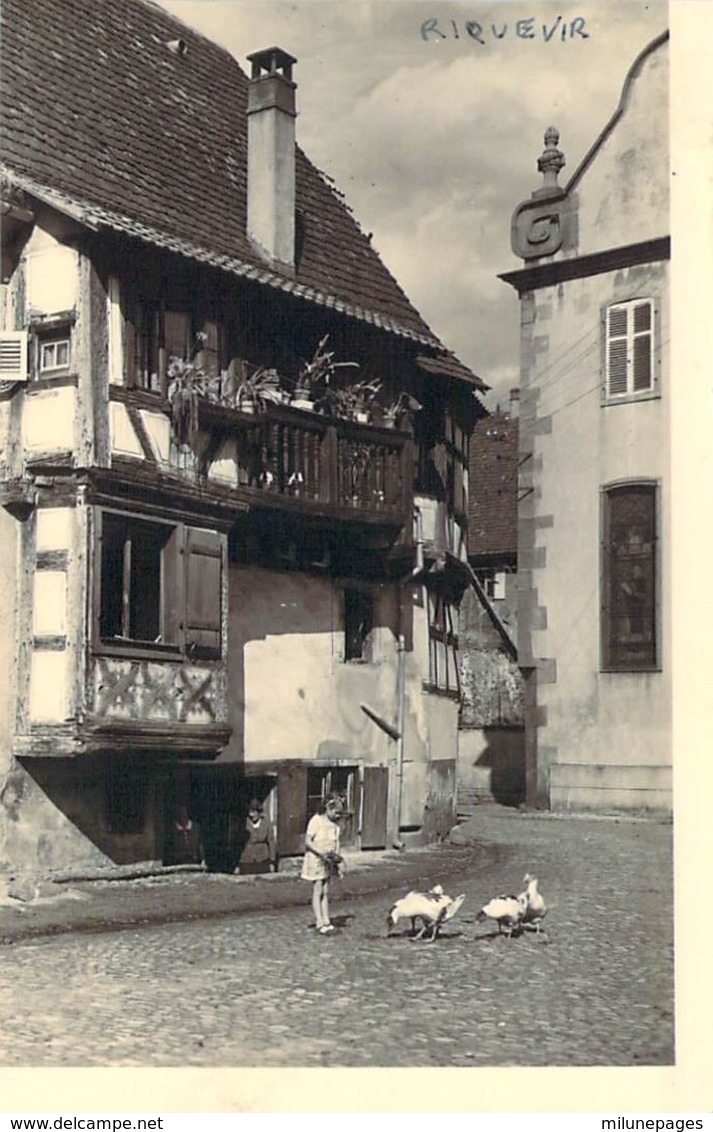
(538, 226)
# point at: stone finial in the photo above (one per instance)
(552, 159)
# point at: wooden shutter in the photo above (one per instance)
(629, 345)
(13, 355)
(176, 334)
(374, 813)
(291, 810)
(642, 354)
(130, 342)
(204, 588)
(210, 352)
(617, 350)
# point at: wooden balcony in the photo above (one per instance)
(283, 458)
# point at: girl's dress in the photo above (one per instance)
(325, 834)
(259, 852)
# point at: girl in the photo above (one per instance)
(322, 858)
(259, 854)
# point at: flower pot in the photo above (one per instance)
(303, 403)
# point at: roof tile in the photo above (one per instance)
(112, 122)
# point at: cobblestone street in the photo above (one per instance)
(263, 989)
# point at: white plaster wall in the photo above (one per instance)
(289, 690)
(592, 717)
(52, 274)
(623, 195)
(290, 693)
(48, 417)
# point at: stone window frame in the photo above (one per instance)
(649, 560)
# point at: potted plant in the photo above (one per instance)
(315, 376)
(257, 390)
(349, 402)
(402, 408)
(188, 385)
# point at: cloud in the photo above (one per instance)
(435, 142)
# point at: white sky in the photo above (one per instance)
(435, 141)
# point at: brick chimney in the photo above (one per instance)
(271, 155)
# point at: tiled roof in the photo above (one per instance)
(492, 513)
(100, 117)
(447, 365)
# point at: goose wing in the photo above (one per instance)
(454, 907)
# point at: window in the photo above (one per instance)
(159, 586)
(443, 645)
(154, 334)
(629, 349)
(629, 629)
(51, 350)
(495, 585)
(54, 355)
(358, 623)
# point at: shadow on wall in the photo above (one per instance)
(504, 759)
(491, 766)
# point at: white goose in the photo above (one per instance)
(535, 907)
(433, 908)
(507, 911)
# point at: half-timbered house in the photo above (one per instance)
(233, 465)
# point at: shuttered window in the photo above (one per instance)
(629, 349)
(629, 557)
(159, 586)
(154, 332)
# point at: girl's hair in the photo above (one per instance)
(333, 799)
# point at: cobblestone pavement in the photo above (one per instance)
(263, 989)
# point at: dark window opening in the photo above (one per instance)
(358, 623)
(160, 586)
(133, 591)
(156, 334)
(629, 628)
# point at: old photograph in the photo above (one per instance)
(335, 535)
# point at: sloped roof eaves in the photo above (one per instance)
(155, 145)
(95, 217)
(446, 364)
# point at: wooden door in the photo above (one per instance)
(374, 813)
(291, 810)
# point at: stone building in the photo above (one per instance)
(594, 615)
(233, 466)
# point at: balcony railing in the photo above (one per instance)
(284, 454)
